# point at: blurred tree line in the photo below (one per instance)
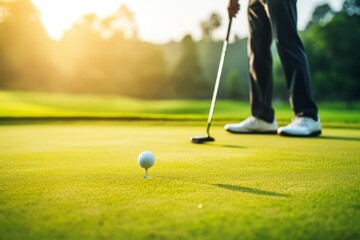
(332, 41)
(105, 56)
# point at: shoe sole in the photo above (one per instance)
(313, 134)
(254, 132)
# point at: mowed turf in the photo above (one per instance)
(36, 105)
(82, 181)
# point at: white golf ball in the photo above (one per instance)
(146, 159)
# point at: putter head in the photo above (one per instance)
(202, 139)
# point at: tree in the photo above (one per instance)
(149, 72)
(82, 55)
(96, 55)
(321, 15)
(99, 57)
(25, 48)
(333, 55)
(208, 26)
(280, 91)
(188, 77)
(122, 21)
(234, 88)
(351, 7)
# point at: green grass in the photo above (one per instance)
(35, 105)
(82, 181)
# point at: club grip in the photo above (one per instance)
(228, 30)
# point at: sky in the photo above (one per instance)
(161, 21)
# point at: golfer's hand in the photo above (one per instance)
(233, 8)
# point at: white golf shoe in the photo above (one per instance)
(252, 125)
(301, 127)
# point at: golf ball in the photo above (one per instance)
(146, 159)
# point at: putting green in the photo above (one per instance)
(82, 181)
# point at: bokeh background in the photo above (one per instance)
(109, 53)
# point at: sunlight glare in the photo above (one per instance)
(158, 20)
(57, 16)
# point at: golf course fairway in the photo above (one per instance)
(82, 181)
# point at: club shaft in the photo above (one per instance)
(217, 83)
(218, 77)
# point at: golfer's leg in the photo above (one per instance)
(283, 17)
(260, 61)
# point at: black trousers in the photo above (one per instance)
(277, 19)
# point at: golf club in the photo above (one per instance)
(208, 138)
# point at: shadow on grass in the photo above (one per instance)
(231, 146)
(227, 146)
(211, 144)
(339, 138)
(250, 190)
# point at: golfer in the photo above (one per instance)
(268, 20)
